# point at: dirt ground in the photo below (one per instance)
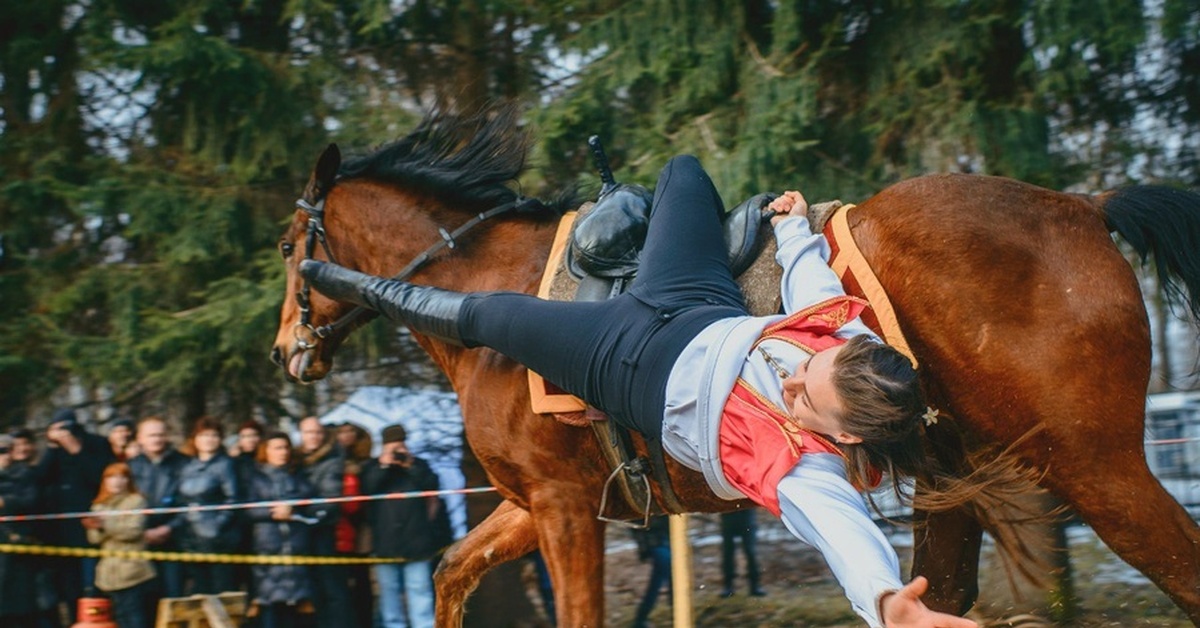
(802, 592)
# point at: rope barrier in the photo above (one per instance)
(244, 505)
(194, 557)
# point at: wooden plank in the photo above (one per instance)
(215, 613)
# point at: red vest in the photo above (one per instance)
(759, 443)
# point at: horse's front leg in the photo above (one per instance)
(946, 551)
(572, 544)
(506, 534)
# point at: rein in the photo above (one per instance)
(306, 335)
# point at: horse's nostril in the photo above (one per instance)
(277, 356)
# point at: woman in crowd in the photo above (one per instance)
(208, 479)
(352, 534)
(282, 593)
(127, 581)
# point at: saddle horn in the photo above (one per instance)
(600, 159)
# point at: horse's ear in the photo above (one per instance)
(327, 169)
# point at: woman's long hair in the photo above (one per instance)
(116, 468)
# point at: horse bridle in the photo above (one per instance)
(306, 335)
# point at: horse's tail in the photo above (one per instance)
(1165, 222)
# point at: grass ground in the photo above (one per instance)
(801, 591)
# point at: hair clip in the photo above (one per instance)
(930, 416)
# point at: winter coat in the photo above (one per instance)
(280, 583)
(121, 533)
(208, 483)
(323, 469)
(70, 483)
(16, 586)
(158, 482)
(401, 528)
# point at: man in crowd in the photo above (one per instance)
(156, 475)
(17, 495)
(323, 466)
(24, 449)
(402, 528)
(69, 474)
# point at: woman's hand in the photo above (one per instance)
(790, 203)
(281, 512)
(904, 608)
(91, 523)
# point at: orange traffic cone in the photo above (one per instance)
(95, 612)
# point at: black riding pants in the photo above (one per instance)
(618, 354)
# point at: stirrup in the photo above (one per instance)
(637, 468)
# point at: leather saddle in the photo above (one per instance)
(607, 240)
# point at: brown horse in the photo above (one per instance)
(1023, 313)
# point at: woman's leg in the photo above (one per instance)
(684, 260)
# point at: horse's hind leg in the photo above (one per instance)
(946, 551)
(1135, 516)
(508, 533)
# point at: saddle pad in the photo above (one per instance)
(760, 285)
(545, 397)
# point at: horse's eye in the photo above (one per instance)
(285, 249)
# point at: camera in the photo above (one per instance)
(402, 458)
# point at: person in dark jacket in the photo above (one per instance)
(245, 464)
(654, 545)
(69, 472)
(402, 528)
(324, 466)
(734, 525)
(208, 479)
(156, 474)
(17, 497)
(27, 454)
(282, 593)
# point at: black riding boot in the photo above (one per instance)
(428, 310)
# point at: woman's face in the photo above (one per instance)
(278, 452)
(248, 440)
(346, 436)
(207, 442)
(811, 399)
(116, 484)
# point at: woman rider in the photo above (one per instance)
(796, 412)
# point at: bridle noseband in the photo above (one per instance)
(306, 335)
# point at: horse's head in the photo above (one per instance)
(305, 342)
(380, 212)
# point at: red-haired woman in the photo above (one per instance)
(126, 580)
(208, 479)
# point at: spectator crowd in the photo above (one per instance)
(138, 466)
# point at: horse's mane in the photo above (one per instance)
(467, 161)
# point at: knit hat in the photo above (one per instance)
(66, 416)
(121, 423)
(394, 433)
